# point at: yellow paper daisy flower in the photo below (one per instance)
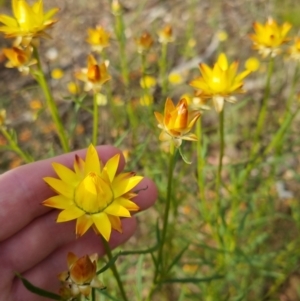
(28, 21)
(176, 122)
(93, 194)
(219, 82)
(268, 38)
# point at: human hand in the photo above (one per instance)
(31, 242)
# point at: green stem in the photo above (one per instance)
(93, 294)
(95, 120)
(160, 259)
(201, 162)
(163, 68)
(120, 34)
(221, 154)
(277, 138)
(14, 146)
(114, 269)
(263, 110)
(40, 78)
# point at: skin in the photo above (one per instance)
(32, 243)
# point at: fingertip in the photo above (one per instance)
(147, 194)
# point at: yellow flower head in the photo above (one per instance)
(165, 35)
(98, 38)
(148, 82)
(268, 38)
(80, 277)
(177, 122)
(294, 50)
(18, 58)
(219, 82)
(94, 75)
(93, 194)
(28, 21)
(145, 42)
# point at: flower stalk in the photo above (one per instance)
(263, 109)
(160, 258)
(95, 120)
(221, 154)
(40, 78)
(201, 162)
(114, 269)
(14, 145)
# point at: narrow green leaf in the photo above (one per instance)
(38, 291)
(192, 280)
(107, 295)
(109, 264)
(177, 258)
(184, 158)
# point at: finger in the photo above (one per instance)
(22, 189)
(44, 275)
(147, 194)
(43, 236)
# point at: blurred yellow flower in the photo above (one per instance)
(81, 276)
(177, 122)
(219, 82)
(147, 82)
(175, 78)
(268, 38)
(146, 100)
(57, 73)
(93, 194)
(222, 35)
(19, 58)
(144, 43)
(28, 21)
(294, 50)
(98, 38)
(252, 64)
(94, 75)
(165, 35)
(73, 88)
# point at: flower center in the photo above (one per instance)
(93, 194)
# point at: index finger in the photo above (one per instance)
(22, 189)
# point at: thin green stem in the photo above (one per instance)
(221, 153)
(120, 34)
(40, 78)
(95, 120)
(163, 68)
(292, 91)
(277, 138)
(263, 110)
(160, 258)
(114, 269)
(201, 162)
(93, 294)
(14, 145)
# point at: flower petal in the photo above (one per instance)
(121, 187)
(102, 224)
(69, 214)
(117, 210)
(58, 202)
(115, 223)
(60, 187)
(127, 204)
(83, 223)
(111, 166)
(92, 163)
(67, 175)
